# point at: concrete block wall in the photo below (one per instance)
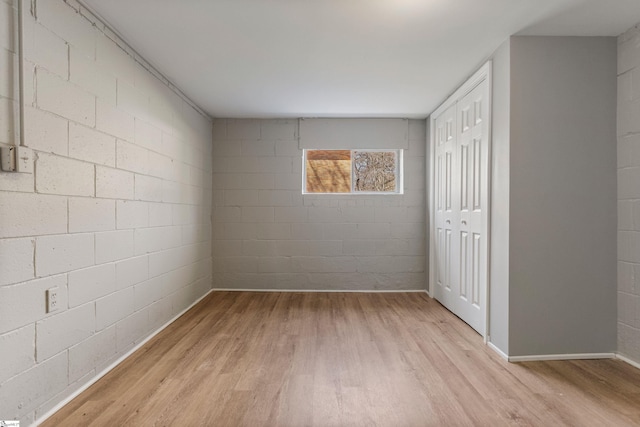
(116, 215)
(268, 235)
(629, 194)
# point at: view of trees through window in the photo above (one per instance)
(351, 171)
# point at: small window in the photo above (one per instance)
(353, 171)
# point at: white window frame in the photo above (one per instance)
(399, 189)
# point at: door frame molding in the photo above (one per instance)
(483, 74)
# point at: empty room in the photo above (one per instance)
(319, 213)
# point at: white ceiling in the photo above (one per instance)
(339, 58)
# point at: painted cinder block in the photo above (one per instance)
(171, 236)
(628, 179)
(163, 261)
(291, 214)
(86, 73)
(239, 129)
(29, 389)
(21, 343)
(114, 183)
(417, 132)
(65, 99)
(132, 100)
(160, 214)
(195, 233)
(149, 291)
(113, 121)
(179, 278)
(185, 214)
(286, 129)
(132, 214)
(132, 271)
(258, 148)
(160, 165)
(131, 330)
(390, 214)
(241, 198)
(319, 264)
(147, 240)
(165, 113)
(46, 49)
(7, 130)
(16, 259)
(172, 146)
(79, 124)
(148, 188)
(303, 231)
(25, 303)
(114, 245)
(174, 192)
(629, 151)
(258, 247)
(90, 214)
(114, 307)
(329, 248)
(91, 353)
(391, 264)
(63, 253)
(66, 23)
(284, 181)
(160, 312)
(257, 214)
(219, 132)
(91, 146)
(77, 323)
(629, 50)
(374, 231)
(7, 37)
(182, 299)
(60, 175)
(132, 157)
(46, 132)
(88, 284)
(114, 59)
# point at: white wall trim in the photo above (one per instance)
(114, 364)
(337, 291)
(501, 353)
(627, 360)
(574, 356)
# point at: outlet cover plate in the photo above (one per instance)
(52, 300)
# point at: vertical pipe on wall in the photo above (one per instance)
(21, 73)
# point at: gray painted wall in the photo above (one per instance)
(499, 260)
(629, 194)
(562, 196)
(267, 235)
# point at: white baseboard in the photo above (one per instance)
(497, 350)
(629, 361)
(346, 291)
(114, 364)
(574, 356)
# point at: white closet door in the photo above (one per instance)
(460, 204)
(472, 152)
(446, 208)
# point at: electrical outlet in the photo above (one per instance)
(24, 159)
(52, 300)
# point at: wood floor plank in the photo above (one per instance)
(344, 359)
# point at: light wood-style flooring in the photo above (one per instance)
(344, 359)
